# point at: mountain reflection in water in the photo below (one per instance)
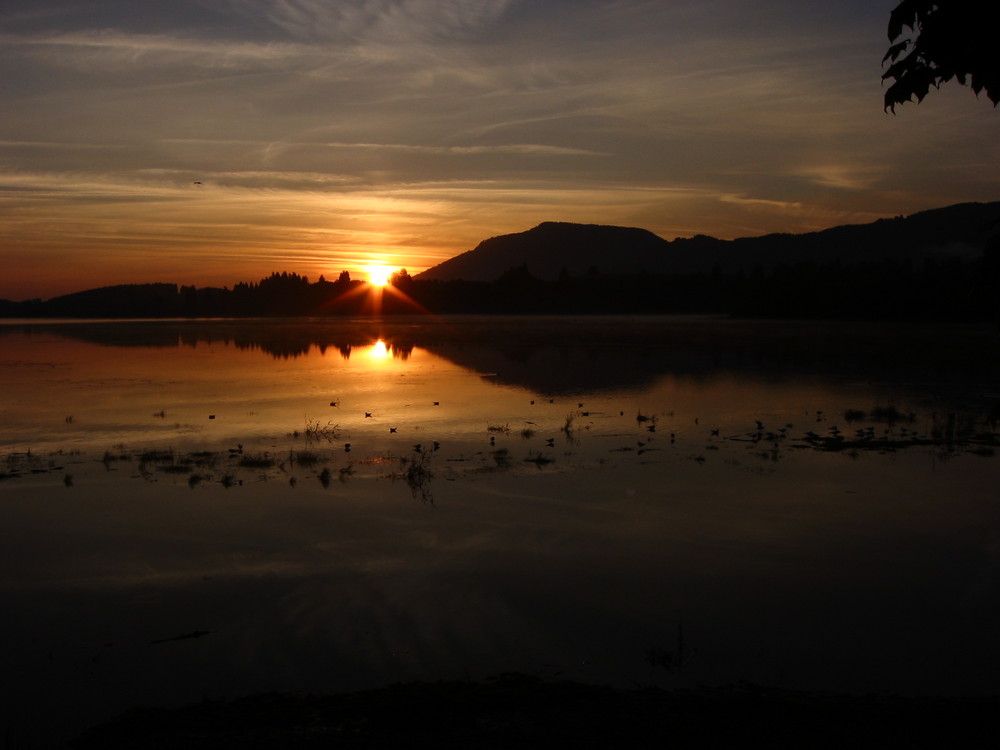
(565, 355)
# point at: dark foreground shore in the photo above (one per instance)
(524, 712)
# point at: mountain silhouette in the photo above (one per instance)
(553, 246)
(942, 264)
(554, 249)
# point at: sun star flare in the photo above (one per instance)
(378, 275)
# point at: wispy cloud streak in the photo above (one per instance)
(316, 133)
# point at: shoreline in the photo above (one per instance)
(525, 711)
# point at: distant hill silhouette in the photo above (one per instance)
(554, 249)
(942, 264)
(551, 247)
(131, 300)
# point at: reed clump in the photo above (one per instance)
(317, 431)
(259, 461)
(306, 458)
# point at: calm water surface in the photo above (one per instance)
(207, 509)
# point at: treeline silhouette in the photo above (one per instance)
(929, 289)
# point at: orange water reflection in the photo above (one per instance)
(482, 499)
(383, 353)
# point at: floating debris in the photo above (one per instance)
(182, 637)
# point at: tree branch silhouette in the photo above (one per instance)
(947, 39)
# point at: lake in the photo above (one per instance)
(206, 509)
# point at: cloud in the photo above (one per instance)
(843, 176)
(105, 51)
(504, 149)
(415, 128)
(386, 21)
(21, 147)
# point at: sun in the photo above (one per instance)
(378, 275)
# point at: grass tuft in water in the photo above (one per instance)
(890, 415)
(306, 458)
(539, 460)
(260, 461)
(418, 475)
(501, 457)
(316, 430)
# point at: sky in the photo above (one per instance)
(209, 142)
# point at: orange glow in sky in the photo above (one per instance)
(212, 143)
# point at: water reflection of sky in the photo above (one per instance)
(474, 519)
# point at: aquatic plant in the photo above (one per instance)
(203, 459)
(109, 458)
(945, 430)
(417, 474)
(261, 461)
(890, 415)
(568, 424)
(153, 456)
(539, 460)
(671, 660)
(306, 458)
(316, 430)
(501, 457)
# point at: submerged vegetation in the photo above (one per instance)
(882, 429)
(416, 473)
(318, 431)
